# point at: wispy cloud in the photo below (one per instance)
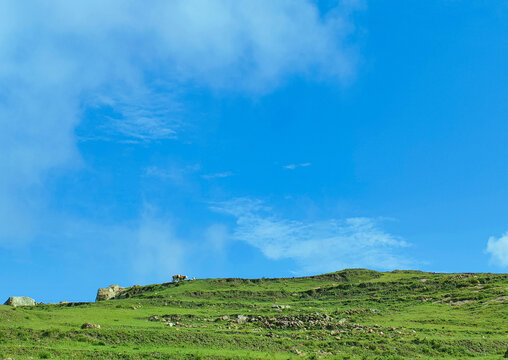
(294, 166)
(60, 59)
(142, 123)
(143, 249)
(218, 175)
(498, 250)
(217, 236)
(317, 246)
(136, 115)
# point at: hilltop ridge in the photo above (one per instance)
(353, 313)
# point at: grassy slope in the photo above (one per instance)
(351, 314)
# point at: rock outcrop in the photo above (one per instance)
(20, 301)
(110, 292)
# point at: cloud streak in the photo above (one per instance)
(294, 166)
(316, 246)
(175, 173)
(218, 175)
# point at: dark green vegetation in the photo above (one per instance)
(351, 314)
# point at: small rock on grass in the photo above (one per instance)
(90, 326)
(241, 319)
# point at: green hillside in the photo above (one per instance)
(350, 314)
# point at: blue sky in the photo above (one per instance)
(249, 139)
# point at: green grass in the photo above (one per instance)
(350, 314)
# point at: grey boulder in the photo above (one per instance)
(20, 301)
(110, 292)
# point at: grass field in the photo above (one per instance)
(350, 314)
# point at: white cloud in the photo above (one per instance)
(59, 59)
(498, 249)
(36, 135)
(294, 166)
(318, 246)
